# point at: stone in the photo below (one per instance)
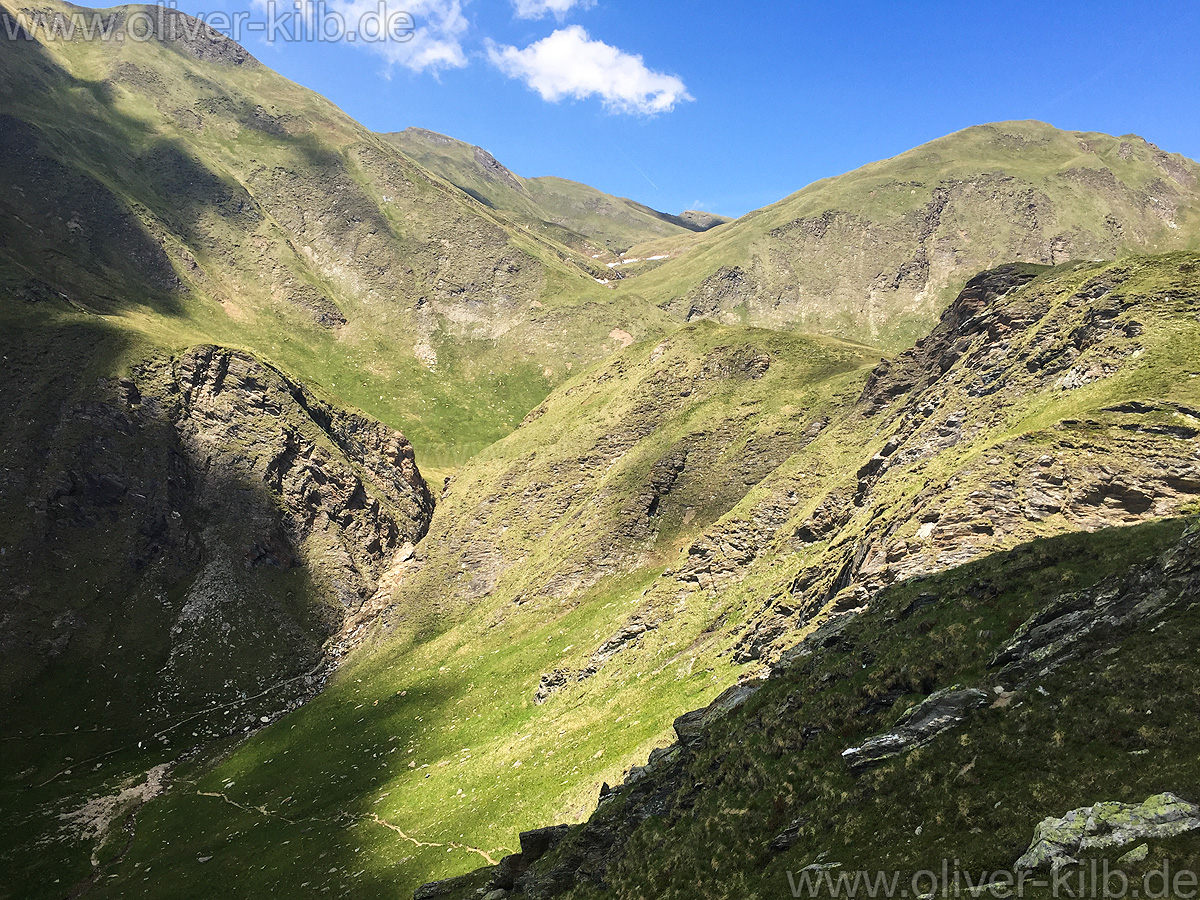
(786, 838)
(443, 890)
(1133, 857)
(691, 725)
(1105, 826)
(540, 841)
(918, 726)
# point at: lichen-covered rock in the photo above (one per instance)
(1137, 855)
(1105, 826)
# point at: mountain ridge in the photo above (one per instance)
(593, 222)
(878, 252)
(232, 321)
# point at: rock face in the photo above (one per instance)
(347, 507)
(1107, 826)
(934, 412)
(918, 726)
(219, 514)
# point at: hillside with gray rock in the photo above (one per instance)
(719, 795)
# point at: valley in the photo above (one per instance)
(367, 509)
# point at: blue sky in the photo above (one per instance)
(729, 107)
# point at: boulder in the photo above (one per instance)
(1107, 825)
(690, 726)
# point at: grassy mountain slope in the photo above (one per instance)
(461, 666)
(574, 214)
(1074, 711)
(565, 608)
(876, 254)
(189, 194)
(205, 271)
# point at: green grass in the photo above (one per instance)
(537, 557)
(574, 214)
(546, 544)
(974, 794)
(836, 282)
(485, 763)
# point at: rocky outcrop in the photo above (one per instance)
(347, 507)
(1107, 826)
(1005, 339)
(1098, 618)
(697, 220)
(231, 514)
(726, 289)
(560, 678)
(690, 727)
(918, 726)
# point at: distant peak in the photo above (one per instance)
(493, 167)
(697, 220)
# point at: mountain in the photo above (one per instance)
(574, 214)
(248, 650)
(679, 519)
(876, 254)
(1012, 422)
(976, 729)
(183, 193)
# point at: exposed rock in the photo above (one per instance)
(239, 519)
(560, 678)
(918, 726)
(1105, 826)
(446, 889)
(690, 727)
(539, 841)
(1101, 615)
(1133, 857)
(234, 421)
(719, 293)
(508, 874)
(697, 220)
(551, 682)
(786, 838)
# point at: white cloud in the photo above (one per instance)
(569, 64)
(435, 41)
(539, 9)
